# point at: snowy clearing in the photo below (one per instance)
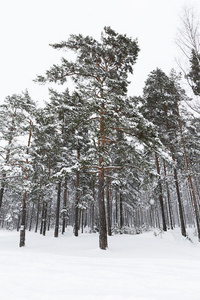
(135, 267)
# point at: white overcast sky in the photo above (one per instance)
(28, 27)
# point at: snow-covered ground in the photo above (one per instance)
(135, 267)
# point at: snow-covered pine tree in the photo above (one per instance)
(194, 74)
(100, 73)
(178, 95)
(16, 135)
(160, 108)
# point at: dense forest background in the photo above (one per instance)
(97, 159)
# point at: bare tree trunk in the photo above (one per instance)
(168, 198)
(57, 210)
(76, 221)
(103, 242)
(37, 216)
(183, 229)
(2, 191)
(116, 208)
(42, 218)
(92, 207)
(182, 223)
(108, 203)
(49, 216)
(45, 219)
(64, 207)
(164, 227)
(31, 217)
(23, 221)
(189, 174)
(82, 220)
(121, 212)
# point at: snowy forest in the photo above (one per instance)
(98, 159)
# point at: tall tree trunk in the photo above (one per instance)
(82, 220)
(121, 212)
(31, 217)
(57, 210)
(64, 207)
(92, 206)
(49, 216)
(23, 221)
(164, 227)
(189, 174)
(171, 221)
(42, 218)
(37, 215)
(2, 190)
(103, 242)
(108, 203)
(45, 219)
(116, 208)
(182, 222)
(76, 221)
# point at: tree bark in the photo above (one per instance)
(182, 222)
(108, 203)
(103, 242)
(171, 221)
(31, 217)
(23, 221)
(57, 210)
(64, 207)
(116, 208)
(76, 221)
(188, 174)
(164, 227)
(121, 212)
(45, 219)
(37, 216)
(42, 220)
(2, 191)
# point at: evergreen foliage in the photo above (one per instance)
(97, 158)
(194, 73)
